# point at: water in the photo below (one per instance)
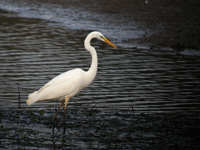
(136, 90)
(77, 18)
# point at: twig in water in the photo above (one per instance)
(19, 96)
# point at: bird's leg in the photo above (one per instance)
(61, 104)
(66, 102)
(65, 106)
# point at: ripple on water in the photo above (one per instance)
(141, 99)
(32, 52)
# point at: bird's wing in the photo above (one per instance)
(63, 77)
(65, 84)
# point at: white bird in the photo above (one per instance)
(68, 84)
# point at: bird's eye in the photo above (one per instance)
(101, 37)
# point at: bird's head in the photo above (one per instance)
(98, 36)
(101, 37)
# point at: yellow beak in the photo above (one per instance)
(109, 42)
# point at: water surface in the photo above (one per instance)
(33, 52)
(141, 98)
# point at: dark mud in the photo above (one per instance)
(94, 129)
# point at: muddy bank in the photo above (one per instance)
(175, 24)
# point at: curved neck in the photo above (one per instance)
(91, 73)
(94, 61)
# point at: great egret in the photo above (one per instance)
(68, 84)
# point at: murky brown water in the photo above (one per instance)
(130, 81)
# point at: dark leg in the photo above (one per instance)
(61, 104)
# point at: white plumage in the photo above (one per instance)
(68, 84)
(60, 86)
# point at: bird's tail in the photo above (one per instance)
(32, 98)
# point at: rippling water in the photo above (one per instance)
(33, 52)
(34, 49)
